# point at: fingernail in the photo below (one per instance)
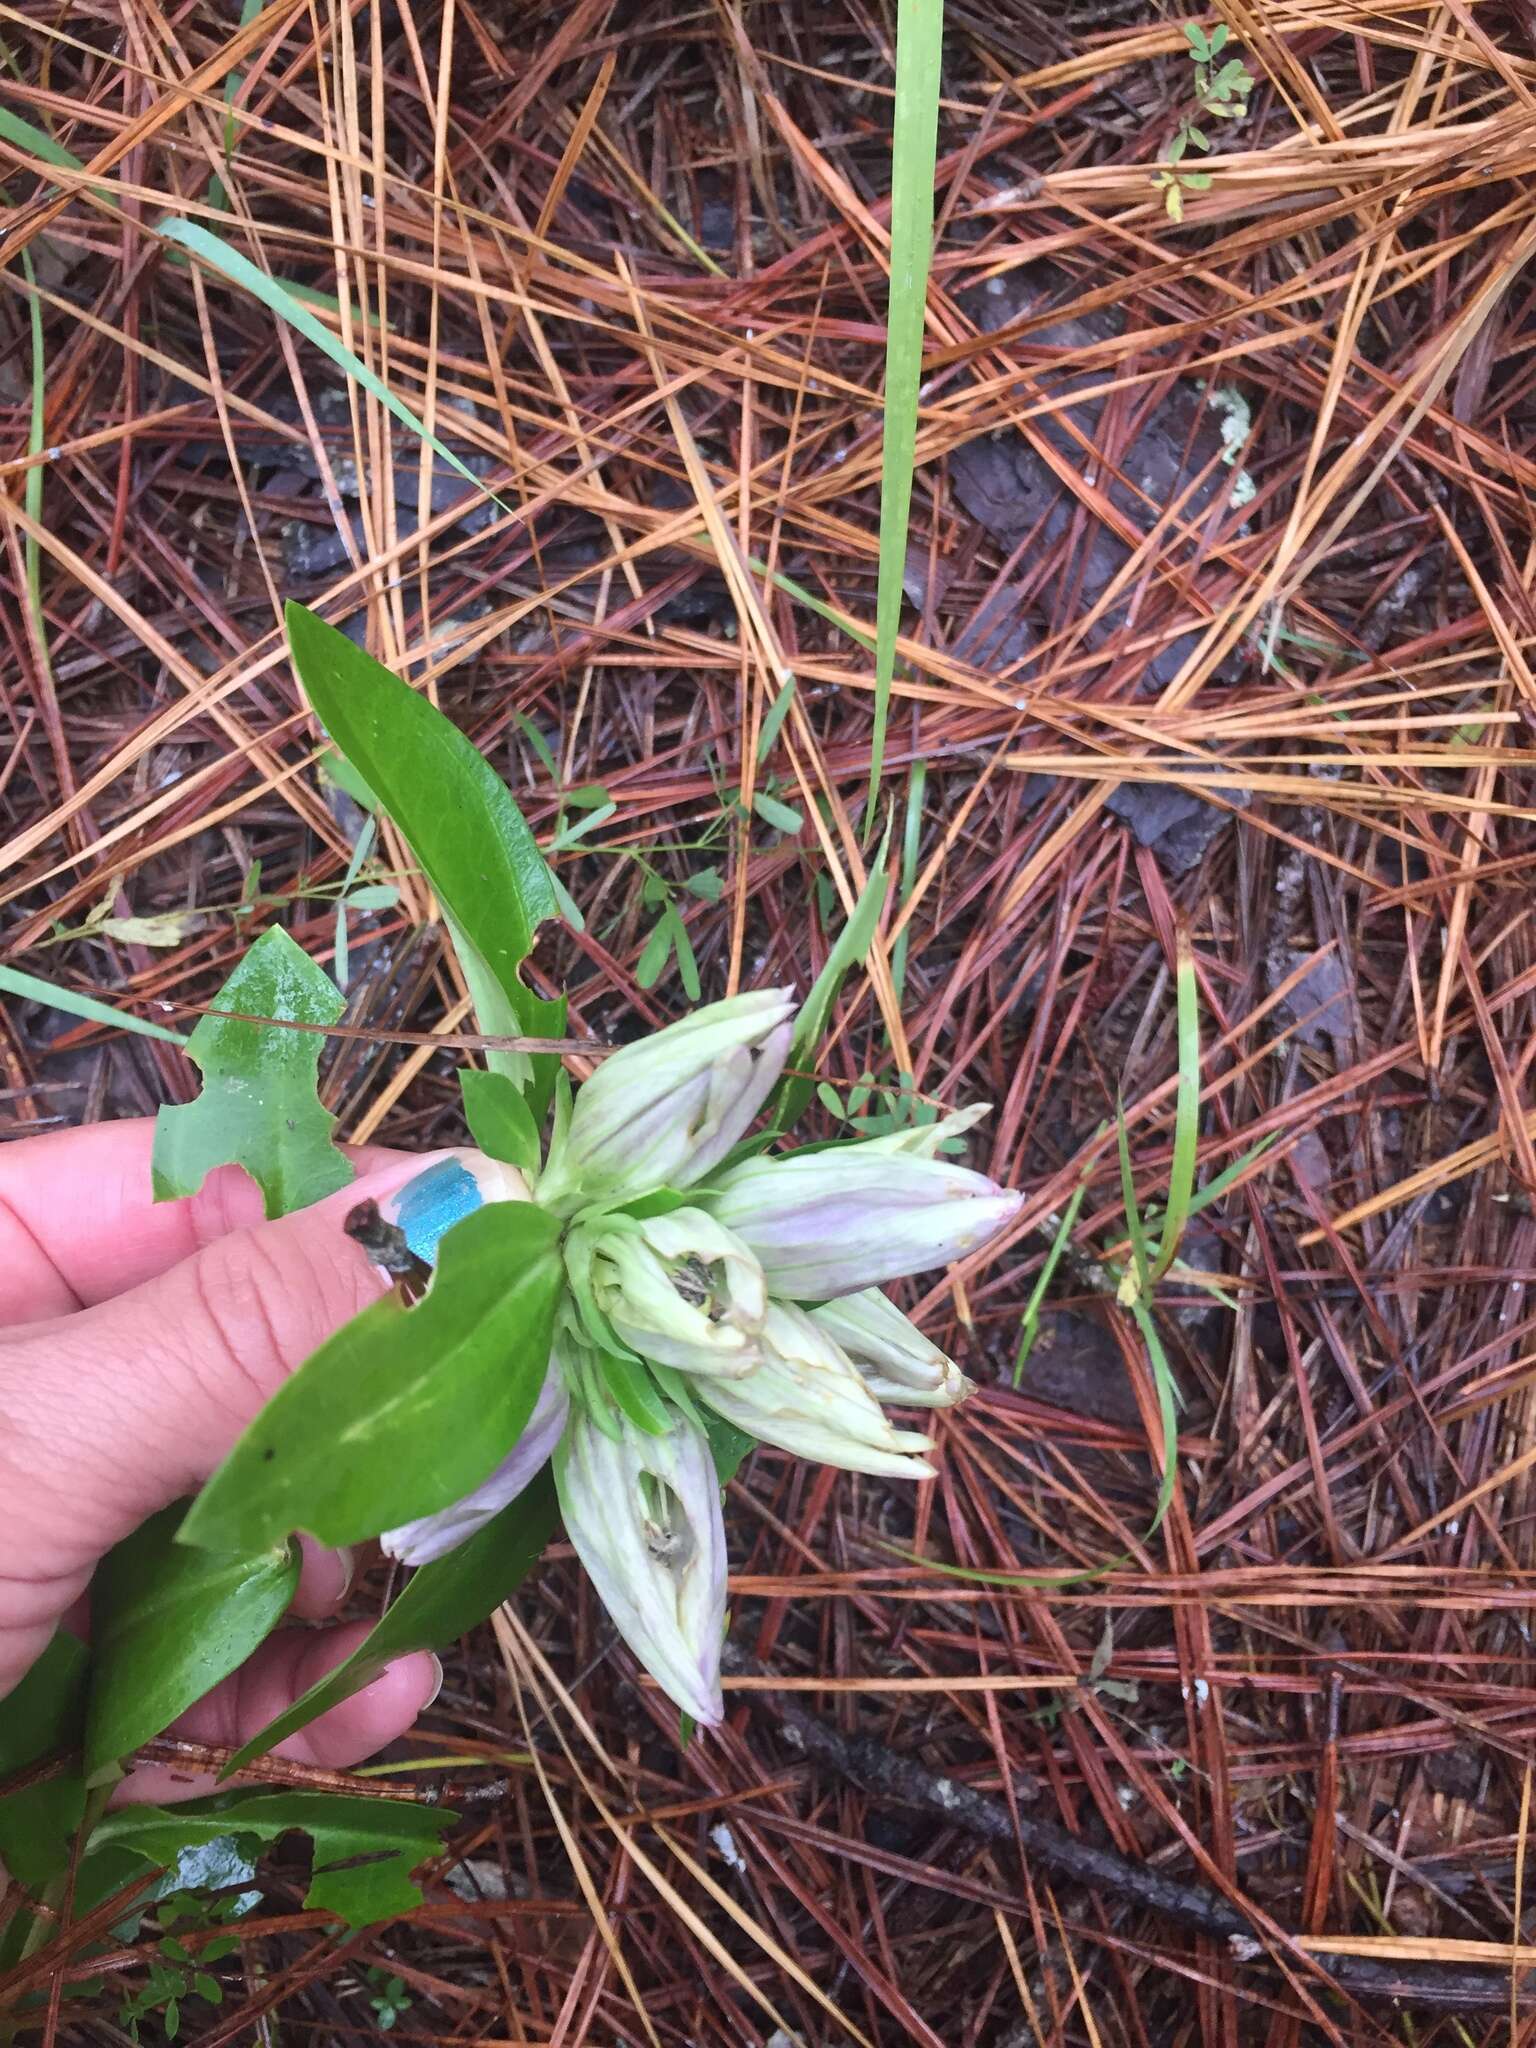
(437, 1687)
(348, 1561)
(444, 1192)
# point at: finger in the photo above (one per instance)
(268, 1684)
(79, 1224)
(325, 1580)
(112, 1414)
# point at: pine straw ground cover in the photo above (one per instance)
(1243, 500)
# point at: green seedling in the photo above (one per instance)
(1220, 94)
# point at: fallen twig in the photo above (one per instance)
(900, 1781)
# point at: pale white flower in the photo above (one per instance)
(807, 1398)
(825, 1223)
(666, 1110)
(643, 1513)
(892, 1356)
(679, 1288)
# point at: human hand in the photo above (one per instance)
(137, 1339)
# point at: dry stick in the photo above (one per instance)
(897, 1779)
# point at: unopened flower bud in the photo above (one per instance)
(643, 1513)
(830, 1223)
(890, 1353)
(808, 1399)
(666, 1110)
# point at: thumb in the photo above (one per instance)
(112, 1413)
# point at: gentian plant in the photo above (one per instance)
(625, 1284)
(600, 1306)
(698, 1289)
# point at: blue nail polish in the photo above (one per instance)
(432, 1203)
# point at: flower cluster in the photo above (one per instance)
(700, 1287)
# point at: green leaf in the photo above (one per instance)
(1215, 1189)
(42, 1715)
(393, 1834)
(500, 1121)
(472, 841)
(657, 950)
(1196, 38)
(632, 1387)
(285, 291)
(360, 853)
(335, 767)
(403, 1411)
(537, 741)
(705, 882)
(656, 1202)
(167, 1623)
(777, 711)
(728, 1445)
(22, 134)
(687, 963)
(373, 896)
(851, 945)
(1218, 41)
(780, 816)
(441, 1602)
(919, 51)
(218, 197)
(258, 1108)
(1167, 1403)
(170, 1622)
(572, 835)
(29, 988)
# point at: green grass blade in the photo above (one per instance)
(851, 945)
(30, 989)
(1029, 1326)
(1186, 1116)
(218, 197)
(32, 489)
(1167, 1406)
(919, 44)
(911, 842)
(23, 134)
(1215, 1189)
(1167, 1403)
(1135, 1228)
(808, 598)
(286, 302)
